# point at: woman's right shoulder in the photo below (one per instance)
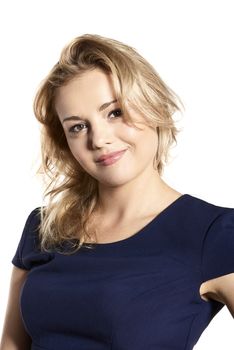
(35, 214)
(29, 240)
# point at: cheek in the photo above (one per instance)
(144, 140)
(75, 148)
(128, 137)
(147, 147)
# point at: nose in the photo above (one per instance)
(100, 135)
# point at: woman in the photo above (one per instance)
(117, 259)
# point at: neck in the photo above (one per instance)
(145, 195)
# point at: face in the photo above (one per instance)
(94, 126)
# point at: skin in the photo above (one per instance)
(220, 289)
(123, 181)
(101, 134)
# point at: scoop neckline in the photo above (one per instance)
(140, 232)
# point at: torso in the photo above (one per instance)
(109, 233)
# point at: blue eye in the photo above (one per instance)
(75, 129)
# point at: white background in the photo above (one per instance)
(190, 43)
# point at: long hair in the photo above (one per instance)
(72, 194)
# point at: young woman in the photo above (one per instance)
(116, 259)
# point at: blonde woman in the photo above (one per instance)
(116, 259)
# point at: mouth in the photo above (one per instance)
(113, 158)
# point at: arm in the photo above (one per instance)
(14, 336)
(220, 289)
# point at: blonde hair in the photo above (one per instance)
(72, 193)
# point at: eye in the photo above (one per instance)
(116, 112)
(76, 128)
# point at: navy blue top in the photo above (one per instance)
(140, 293)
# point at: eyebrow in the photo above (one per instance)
(76, 117)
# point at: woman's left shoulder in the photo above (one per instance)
(218, 245)
(209, 211)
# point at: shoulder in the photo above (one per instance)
(32, 224)
(28, 250)
(217, 256)
(194, 224)
(34, 217)
(205, 212)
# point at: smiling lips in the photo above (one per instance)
(110, 158)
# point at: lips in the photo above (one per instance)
(110, 155)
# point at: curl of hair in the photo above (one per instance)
(72, 193)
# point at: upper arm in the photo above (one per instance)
(218, 260)
(14, 335)
(220, 289)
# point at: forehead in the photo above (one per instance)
(87, 91)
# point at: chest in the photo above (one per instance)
(103, 294)
(108, 233)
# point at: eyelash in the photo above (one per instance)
(72, 129)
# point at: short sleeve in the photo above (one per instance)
(28, 253)
(218, 247)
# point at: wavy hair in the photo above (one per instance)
(71, 192)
